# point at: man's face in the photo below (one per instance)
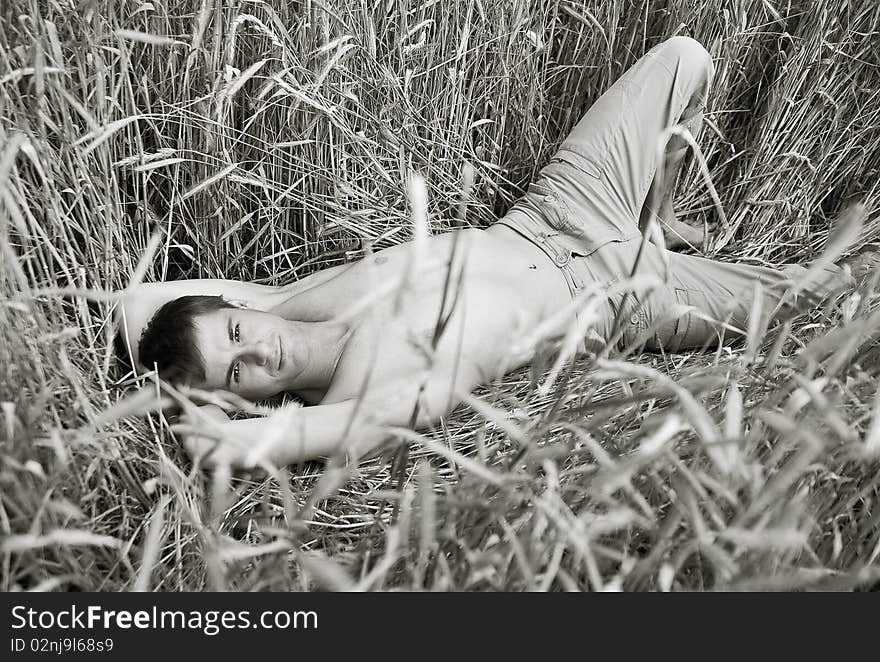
(247, 352)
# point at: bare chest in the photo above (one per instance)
(474, 307)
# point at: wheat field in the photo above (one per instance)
(264, 140)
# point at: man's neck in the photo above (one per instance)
(324, 343)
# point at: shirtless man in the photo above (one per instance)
(395, 340)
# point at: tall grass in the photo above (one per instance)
(265, 140)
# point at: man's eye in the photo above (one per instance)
(237, 333)
(235, 372)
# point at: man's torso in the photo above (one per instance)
(464, 305)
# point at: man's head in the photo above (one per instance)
(207, 342)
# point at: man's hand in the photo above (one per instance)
(208, 440)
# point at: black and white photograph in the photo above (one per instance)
(436, 296)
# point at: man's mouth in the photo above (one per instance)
(280, 354)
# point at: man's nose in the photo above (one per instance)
(261, 352)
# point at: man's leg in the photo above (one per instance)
(603, 172)
(594, 188)
(722, 294)
(658, 202)
(619, 139)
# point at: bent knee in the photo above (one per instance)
(689, 53)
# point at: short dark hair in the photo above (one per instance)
(168, 340)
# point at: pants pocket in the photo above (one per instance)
(693, 326)
(670, 319)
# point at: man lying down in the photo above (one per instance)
(366, 353)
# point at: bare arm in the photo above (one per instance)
(355, 427)
(138, 306)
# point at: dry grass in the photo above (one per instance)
(263, 141)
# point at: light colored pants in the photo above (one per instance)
(583, 211)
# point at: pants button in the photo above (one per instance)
(634, 318)
(561, 260)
